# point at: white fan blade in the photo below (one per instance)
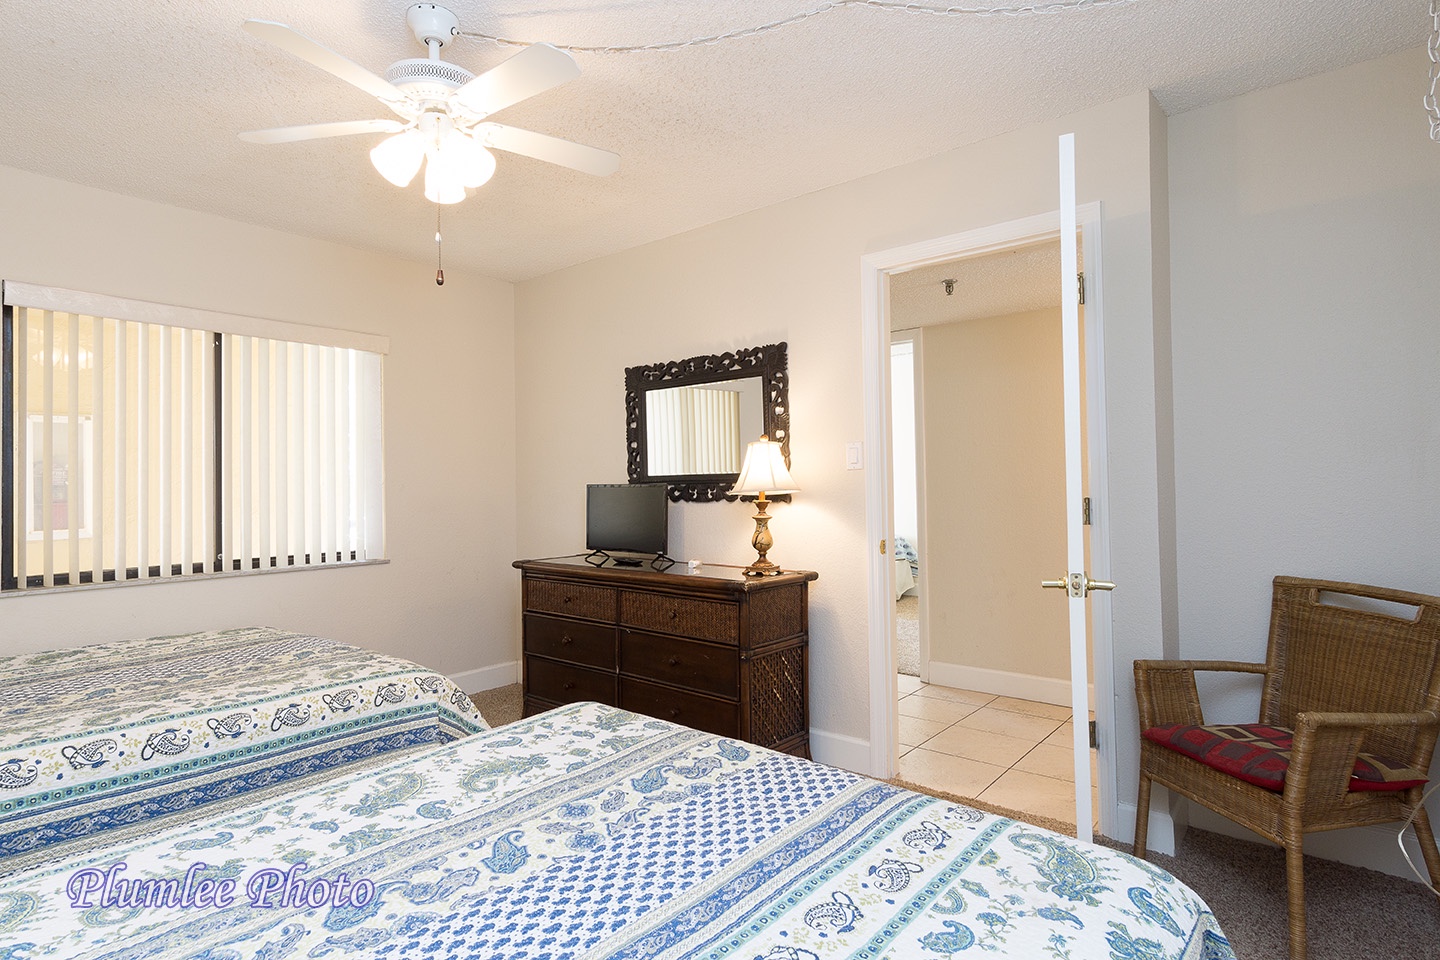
(315, 131)
(533, 70)
(324, 58)
(542, 146)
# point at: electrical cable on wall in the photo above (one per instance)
(1400, 837)
(897, 6)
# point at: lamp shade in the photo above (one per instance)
(455, 162)
(764, 470)
(398, 158)
(474, 165)
(442, 178)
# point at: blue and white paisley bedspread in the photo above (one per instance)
(589, 832)
(113, 734)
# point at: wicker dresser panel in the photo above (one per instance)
(777, 696)
(570, 599)
(777, 614)
(681, 616)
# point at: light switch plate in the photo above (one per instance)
(855, 456)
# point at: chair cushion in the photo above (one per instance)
(1260, 754)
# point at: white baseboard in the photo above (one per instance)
(1003, 683)
(837, 750)
(1372, 847)
(488, 678)
(1163, 835)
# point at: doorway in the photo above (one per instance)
(987, 713)
(1018, 700)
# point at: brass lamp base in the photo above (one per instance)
(762, 542)
(762, 568)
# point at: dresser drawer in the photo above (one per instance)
(591, 644)
(703, 619)
(565, 683)
(570, 599)
(684, 663)
(690, 709)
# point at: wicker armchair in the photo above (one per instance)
(1359, 693)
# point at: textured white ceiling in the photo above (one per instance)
(995, 285)
(145, 97)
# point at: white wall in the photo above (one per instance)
(791, 272)
(1306, 223)
(447, 598)
(995, 506)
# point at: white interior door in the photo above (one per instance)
(1076, 583)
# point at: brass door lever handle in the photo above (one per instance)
(1078, 584)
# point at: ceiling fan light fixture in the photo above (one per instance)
(439, 105)
(474, 165)
(398, 158)
(442, 179)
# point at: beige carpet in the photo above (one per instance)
(1351, 913)
(499, 706)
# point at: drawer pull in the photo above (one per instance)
(674, 712)
(568, 685)
(674, 614)
(566, 639)
(674, 661)
(565, 599)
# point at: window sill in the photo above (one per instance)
(188, 578)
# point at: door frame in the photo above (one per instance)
(875, 271)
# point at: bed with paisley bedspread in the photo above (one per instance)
(590, 832)
(112, 735)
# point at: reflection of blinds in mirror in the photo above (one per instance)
(692, 430)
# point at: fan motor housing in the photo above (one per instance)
(422, 77)
(430, 22)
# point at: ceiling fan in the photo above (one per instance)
(443, 108)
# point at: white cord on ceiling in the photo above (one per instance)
(899, 6)
(1432, 105)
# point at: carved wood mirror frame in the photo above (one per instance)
(767, 363)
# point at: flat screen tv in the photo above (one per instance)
(626, 518)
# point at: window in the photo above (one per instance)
(144, 441)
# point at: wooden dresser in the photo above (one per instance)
(712, 649)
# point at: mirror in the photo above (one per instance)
(687, 422)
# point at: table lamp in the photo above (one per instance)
(763, 472)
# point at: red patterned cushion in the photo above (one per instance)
(1260, 754)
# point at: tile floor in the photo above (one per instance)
(1013, 753)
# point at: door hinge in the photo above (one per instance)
(883, 545)
(1085, 511)
(1081, 277)
(1094, 736)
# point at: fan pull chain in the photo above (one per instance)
(439, 265)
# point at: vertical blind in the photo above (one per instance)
(147, 441)
(693, 430)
